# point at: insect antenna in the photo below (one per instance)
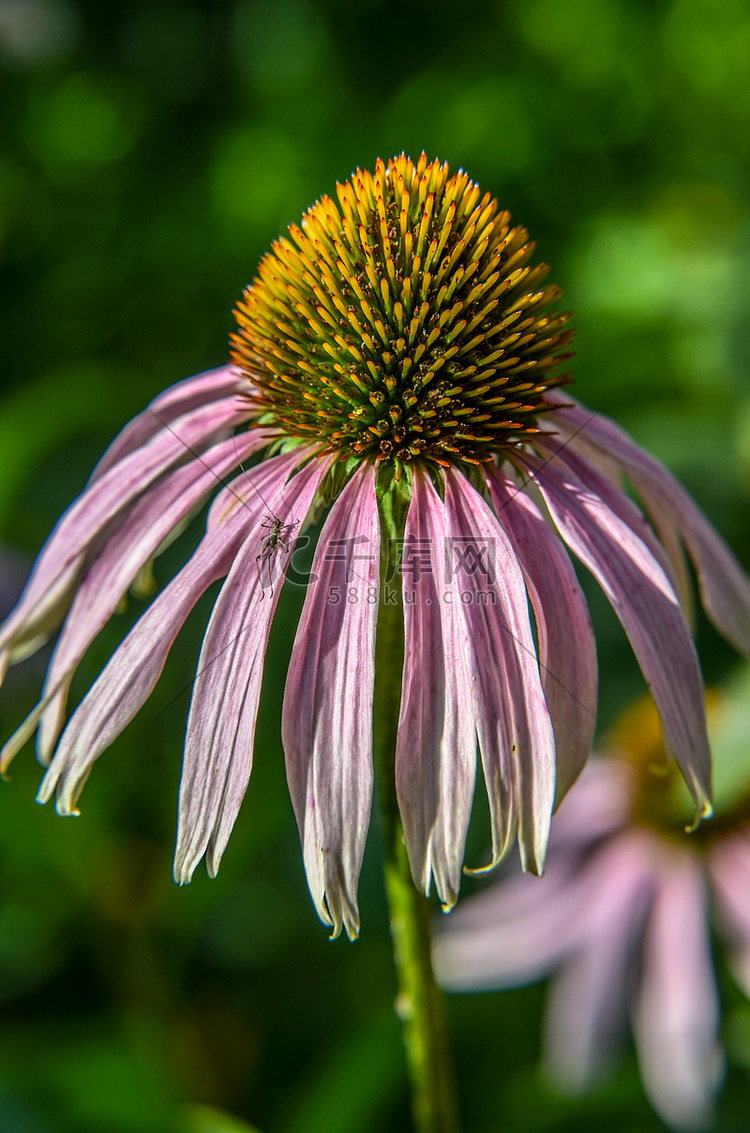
(252, 482)
(276, 527)
(273, 540)
(270, 542)
(219, 479)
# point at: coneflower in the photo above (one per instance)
(397, 359)
(622, 921)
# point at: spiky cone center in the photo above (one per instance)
(404, 323)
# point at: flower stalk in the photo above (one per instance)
(419, 1003)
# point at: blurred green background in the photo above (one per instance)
(149, 153)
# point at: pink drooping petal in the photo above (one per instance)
(133, 670)
(516, 931)
(601, 802)
(677, 1014)
(437, 742)
(85, 525)
(523, 928)
(183, 397)
(567, 649)
(588, 472)
(224, 708)
(644, 600)
(588, 1000)
(729, 868)
(659, 533)
(145, 528)
(515, 732)
(725, 587)
(326, 722)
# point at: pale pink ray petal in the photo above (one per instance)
(516, 931)
(513, 721)
(587, 1005)
(604, 478)
(662, 532)
(612, 495)
(523, 928)
(676, 1018)
(725, 587)
(145, 528)
(437, 742)
(175, 401)
(326, 724)
(567, 648)
(729, 869)
(513, 895)
(601, 802)
(647, 606)
(86, 523)
(133, 670)
(223, 712)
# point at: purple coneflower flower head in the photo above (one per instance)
(396, 359)
(622, 919)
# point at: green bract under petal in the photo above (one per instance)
(403, 323)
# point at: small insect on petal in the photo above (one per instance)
(278, 531)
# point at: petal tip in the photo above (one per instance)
(67, 809)
(352, 929)
(480, 870)
(703, 811)
(182, 874)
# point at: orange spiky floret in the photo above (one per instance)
(404, 322)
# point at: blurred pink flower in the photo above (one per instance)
(622, 919)
(393, 355)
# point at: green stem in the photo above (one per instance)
(419, 1004)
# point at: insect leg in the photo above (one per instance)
(258, 558)
(268, 568)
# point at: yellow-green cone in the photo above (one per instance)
(403, 323)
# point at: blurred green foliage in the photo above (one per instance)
(149, 154)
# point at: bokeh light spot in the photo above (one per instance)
(80, 123)
(586, 36)
(258, 180)
(36, 31)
